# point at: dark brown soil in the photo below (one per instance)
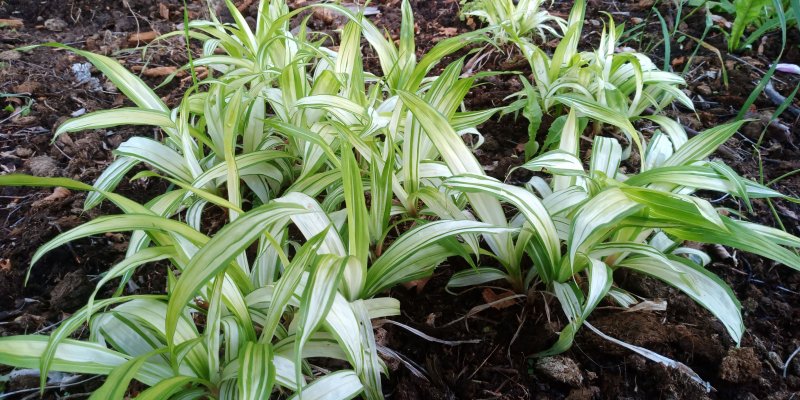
(501, 365)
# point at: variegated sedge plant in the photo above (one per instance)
(611, 87)
(607, 220)
(511, 20)
(263, 315)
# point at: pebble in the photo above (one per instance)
(740, 365)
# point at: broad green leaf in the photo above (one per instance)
(701, 285)
(529, 205)
(167, 388)
(25, 351)
(219, 252)
(339, 385)
(256, 372)
(595, 219)
(475, 277)
(606, 156)
(357, 224)
(702, 145)
(120, 116)
(116, 385)
(409, 255)
(460, 160)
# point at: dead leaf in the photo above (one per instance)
(721, 21)
(419, 284)
(678, 61)
(649, 305)
(490, 297)
(5, 265)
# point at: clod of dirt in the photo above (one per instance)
(561, 369)
(55, 24)
(740, 365)
(775, 360)
(10, 55)
(27, 87)
(70, 290)
(592, 392)
(704, 90)
(23, 152)
(43, 166)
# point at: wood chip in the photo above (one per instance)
(11, 23)
(163, 11)
(59, 193)
(142, 37)
(159, 72)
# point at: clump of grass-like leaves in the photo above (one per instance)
(288, 136)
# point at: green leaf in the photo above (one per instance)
(120, 116)
(595, 219)
(357, 224)
(256, 371)
(413, 254)
(167, 388)
(116, 384)
(25, 351)
(340, 385)
(219, 252)
(747, 11)
(702, 145)
(701, 285)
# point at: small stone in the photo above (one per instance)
(561, 369)
(10, 55)
(740, 365)
(55, 24)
